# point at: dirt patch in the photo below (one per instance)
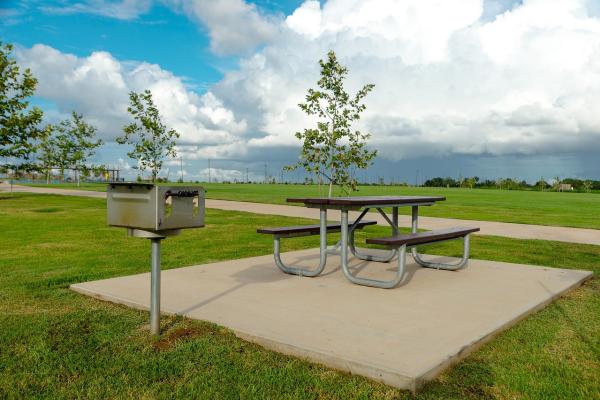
(172, 337)
(47, 210)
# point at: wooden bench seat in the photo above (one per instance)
(307, 230)
(413, 239)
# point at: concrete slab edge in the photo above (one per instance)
(376, 373)
(370, 371)
(466, 350)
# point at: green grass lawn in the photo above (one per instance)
(524, 207)
(59, 344)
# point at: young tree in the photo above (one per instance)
(333, 150)
(18, 122)
(77, 142)
(47, 151)
(151, 140)
(69, 144)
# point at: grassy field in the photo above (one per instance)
(59, 344)
(525, 207)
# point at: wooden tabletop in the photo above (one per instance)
(361, 201)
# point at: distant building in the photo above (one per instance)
(563, 187)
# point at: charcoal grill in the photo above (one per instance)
(154, 212)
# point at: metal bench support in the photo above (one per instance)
(365, 281)
(429, 264)
(323, 252)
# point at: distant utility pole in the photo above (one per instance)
(181, 167)
(281, 180)
(247, 175)
(265, 172)
(209, 170)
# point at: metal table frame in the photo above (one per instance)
(400, 253)
(347, 236)
(347, 243)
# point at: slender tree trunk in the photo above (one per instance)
(77, 175)
(48, 176)
(331, 156)
(320, 183)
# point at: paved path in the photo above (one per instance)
(518, 231)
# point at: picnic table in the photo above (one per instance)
(396, 243)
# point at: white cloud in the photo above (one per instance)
(123, 165)
(234, 26)
(449, 79)
(220, 175)
(98, 87)
(124, 9)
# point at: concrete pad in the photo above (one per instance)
(402, 337)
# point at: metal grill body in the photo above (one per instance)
(154, 212)
(155, 208)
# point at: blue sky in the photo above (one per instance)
(468, 87)
(161, 36)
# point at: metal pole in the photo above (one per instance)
(155, 287)
(415, 219)
(181, 167)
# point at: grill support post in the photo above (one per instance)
(155, 287)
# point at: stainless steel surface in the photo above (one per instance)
(155, 287)
(155, 208)
(154, 212)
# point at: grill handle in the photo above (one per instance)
(182, 193)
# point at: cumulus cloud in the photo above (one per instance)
(448, 81)
(467, 77)
(220, 175)
(124, 9)
(234, 26)
(98, 86)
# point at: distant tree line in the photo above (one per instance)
(554, 184)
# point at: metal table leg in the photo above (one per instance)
(371, 257)
(364, 281)
(429, 264)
